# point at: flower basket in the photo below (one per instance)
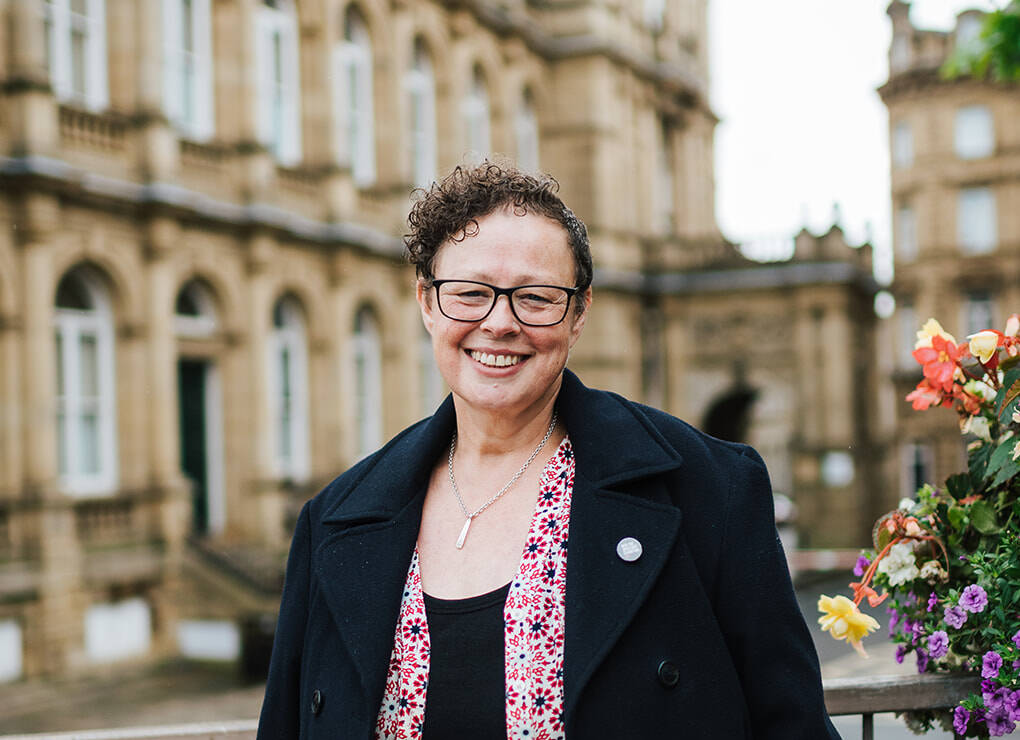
(948, 561)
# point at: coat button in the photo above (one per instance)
(316, 702)
(629, 549)
(669, 674)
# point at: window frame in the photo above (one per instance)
(476, 113)
(71, 326)
(289, 340)
(975, 199)
(191, 111)
(278, 81)
(973, 132)
(420, 87)
(526, 133)
(366, 360)
(61, 23)
(353, 109)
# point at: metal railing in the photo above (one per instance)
(876, 694)
(843, 696)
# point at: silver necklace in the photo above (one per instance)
(469, 516)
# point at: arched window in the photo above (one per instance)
(352, 99)
(288, 374)
(278, 86)
(86, 439)
(526, 133)
(195, 310)
(76, 51)
(432, 388)
(187, 66)
(420, 85)
(367, 356)
(475, 110)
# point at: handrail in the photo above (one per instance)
(865, 696)
(870, 695)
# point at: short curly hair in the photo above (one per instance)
(450, 209)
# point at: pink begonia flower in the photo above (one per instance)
(932, 328)
(978, 426)
(983, 344)
(1012, 326)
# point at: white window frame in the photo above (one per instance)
(61, 25)
(353, 109)
(188, 105)
(910, 454)
(906, 233)
(278, 81)
(420, 86)
(476, 114)
(526, 133)
(366, 357)
(118, 630)
(71, 325)
(902, 145)
(907, 326)
(654, 14)
(11, 650)
(977, 229)
(978, 312)
(289, 400)
(973, 132)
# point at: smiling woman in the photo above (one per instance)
(429, 591)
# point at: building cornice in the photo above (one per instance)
(59, 175)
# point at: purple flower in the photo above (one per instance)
(861, 565)
(960, 719)
(974, 599)
(955, 616)
(999, 723)
(991, 664)
(1016, 639)
(938, 644)
(894, 619)
(1012, 704)
(922, 661)
(901, 651)
(996, 698)
(933, 601)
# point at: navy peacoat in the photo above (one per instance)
(698, 638)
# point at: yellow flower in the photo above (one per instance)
(844, 621)
(932, 328)
(983, 344)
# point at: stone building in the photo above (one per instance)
(205, 315)
(956, 222)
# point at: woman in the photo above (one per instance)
(429, 591)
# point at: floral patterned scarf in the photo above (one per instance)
(533, 631)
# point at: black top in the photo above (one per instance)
(466, 696)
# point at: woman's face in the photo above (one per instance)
(508, 250)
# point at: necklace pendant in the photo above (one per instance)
(463, 533)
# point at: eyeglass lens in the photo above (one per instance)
(538, 305)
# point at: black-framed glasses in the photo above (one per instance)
(532, 305)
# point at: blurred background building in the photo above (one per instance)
(955, 164)
(205, 314)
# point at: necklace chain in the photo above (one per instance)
(496, 496)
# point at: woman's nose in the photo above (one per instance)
(501, 319)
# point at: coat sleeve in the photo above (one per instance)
(758, 612)
(280, 718)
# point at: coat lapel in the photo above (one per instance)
(361, 564)
(617, 494)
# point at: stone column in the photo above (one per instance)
(266, 517)
(56, 639)
(31, 115)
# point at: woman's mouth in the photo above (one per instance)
(490, 360)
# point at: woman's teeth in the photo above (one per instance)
(495, 360)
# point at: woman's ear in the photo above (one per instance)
(580, 318)
(423, 294)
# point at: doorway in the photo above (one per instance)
(201, 442)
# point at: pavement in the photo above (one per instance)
(186, 691)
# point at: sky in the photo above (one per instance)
(801, 125)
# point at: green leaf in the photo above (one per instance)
(1000, 456)
(982, 516)
(977, 465)
(1009, 391)
(957, 517)
(959, 486)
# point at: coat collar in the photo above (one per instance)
(362, 560)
